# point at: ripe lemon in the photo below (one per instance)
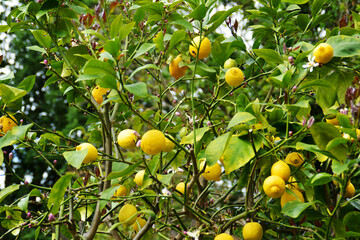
(230, 63)
(181, 187)
(127, 214)
(122, 191)
(6, 124)
(139, 224)
(211, 173)
(204, 49)
(252, 231)
(223, 236)
(92, 153)
(323, 53)
(281, 169)
(169, 145)
(293, 184)
(221, 159)
(332, 121)
(234, 76)
(295, 159)
(98, 93)
(153, 142)
(288, 197)
(349, 190)
(139, 177)
(274, 186)
(174, 69)
(127, 139)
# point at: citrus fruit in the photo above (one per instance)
(295, 159)
(223, 236)
(323, 53)
(252, 231)
(292, 184)
(98, 93)
(127, 214)
(204, 49)
(288, 197)
(181, 187)
(127, 139)
(92, 153)
(211, 173)
(7, 123)
(281, 169)
(221, 159)
(230, 63)
(332, 121)
(349, 190)
(139, 177)
(122, 191)
(139, 224)
(153, 142)
(169, 145)
(274, 186)
(234, 76)
(174, 69)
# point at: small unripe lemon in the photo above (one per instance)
(174, 69)
(295, 159)
(139, 177)
(139, 222)
(323, 53)
(281, 169)
(223, 236)
(211, 173)
(98, 93)
(92, 153)
(274, 186)
(121, 191)
(230, 63)
(234, 77)
(252, 231)
(204, 49)
(169, 145)
(127, 214)
(127, 139)
(153, 142)
(349, 190)
(287, 197)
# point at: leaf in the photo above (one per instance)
(8, 190)
(240, 117)
(296, 1)
(94, 66)
(4, 28)
(1, 158)
(10, 94)
(269, 55)
(216, 148)
(199, 12)
(159, 41)
(7, 77)
(75, 158)
(295, 208)
(165, 178)
(42, 37)
(52, 137)
(176, 37)
(15, 134)
(314, 83)
(189, 139)
(344, 120)
(345, 46)
(28, 83)
(23, 203)
(335, 142)
(129, 170)
(115, 26)
(321, 155)
(147, 66)
(138, 89)
(106, 196)
(316, 6)
(144, 48)
(57, 193)
(339, 168)
(219, 20)
(125, 30)
(321, 179)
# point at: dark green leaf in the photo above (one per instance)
(295, 208)
(138, 89)
(176, 37)
(147, 66)
(129, 170)
(344, 120)
(144, 48)
(57, 193)
(216, 148)
(99, 67)
(269, 55)
(335, 142)
(220, 19)
(42, 37)
(317, 5)
(321, 179)
(296, 1)
(199, 12)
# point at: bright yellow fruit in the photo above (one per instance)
(288, 197)
(204, 49)
(98, 93)
(139, 222)
(230, 63)
(121, 192)
(332, 121)
(174, 69)
(221, 159)
(223, 236)
(252, 231)
(127, 139)
(295, 159)
(323, 53)
(92, 153)
(281, 169)
(139, 177)
(293, 184)
(153, 142)
(169, 145)
(181, 187)
(349, 190)
(211, 173)
(127, 214)
(7, 123)
(234, 77)
(274, 186)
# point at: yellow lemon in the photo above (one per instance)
(252, 231)
(221, 159)
(234, 76)
(281, 169)
(181, 187)
(139, 224)
(323, 53)
(223, 236)
(211, 173)
(274, 186)
(139, 177)
(332, 121)
(127, 139)
(174, 69)
(349, 190)
(6, 124)
(122, 191)
(153, 142)
(204, 49)
(295, 159)
(293, 184)
(169, 145)
(288, 197)
(92, 153)
(230, 63)
(98, 93)
(127, 214)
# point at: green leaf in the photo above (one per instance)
(125, 30)
(220, 19)
(237, 43)
(339, 168)
(335, 142)
(1, 158)
(28, 83)
(129, 170)
(7, 77)
(344, 120)
(75, 158)
(321, 155)
(107, 194)
(144, 48)
(296, 1)
(345, 46)
(176, 37)
(189, 139)
(314, 83)
(23, 203)
(295, 208)
(52, 137)
(321, 179)
(42, 37)
(99, 67)
(115, 26)
(316, 6)
(165, 178)
(10, 94)
(4, 28)
(15, 134)
(147, 66)
(199, 12)
(159, 41)
(240, 117)
(269, 55)
(216, 148)
(8, 190)
(57, 193)
(138, 89)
